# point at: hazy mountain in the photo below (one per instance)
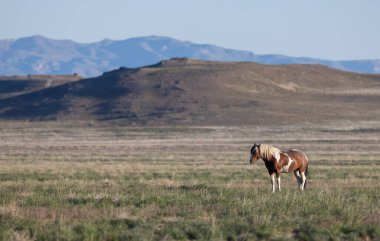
(40, 55)
(184, 91)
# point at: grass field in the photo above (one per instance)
(84, 182)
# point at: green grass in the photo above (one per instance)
(91, 205)
(143, 189)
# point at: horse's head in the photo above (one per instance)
(254, 154)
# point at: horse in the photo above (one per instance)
(277, 162)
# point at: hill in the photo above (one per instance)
(18, 85)
(41, 55)
(185, 91)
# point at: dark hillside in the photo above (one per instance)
(18, 85)
(185, 91)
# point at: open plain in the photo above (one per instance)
(161, 153)
(86, 181)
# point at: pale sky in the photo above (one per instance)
(329, 29)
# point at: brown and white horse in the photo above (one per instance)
(277, 161)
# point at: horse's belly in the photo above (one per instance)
(285, 169)
(288, 167)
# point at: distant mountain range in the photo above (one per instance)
(41, 55)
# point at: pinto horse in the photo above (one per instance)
(277, 161)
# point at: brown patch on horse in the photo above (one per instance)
(284, 161)
(299, 158)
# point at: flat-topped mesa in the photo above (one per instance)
(120, 70)
(19, 85)
(174, 62)
(178, 62)
(68, 77)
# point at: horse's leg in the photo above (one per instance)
(278, 181)
(273, 182)
(303, 180)
(298, 177)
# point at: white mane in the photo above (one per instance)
(267, 152)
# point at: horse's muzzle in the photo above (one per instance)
(251, 161)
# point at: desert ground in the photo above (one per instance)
(87, 181)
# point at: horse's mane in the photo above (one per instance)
(268, 151)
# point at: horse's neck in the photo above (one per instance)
(271, 157)
(265, 158)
